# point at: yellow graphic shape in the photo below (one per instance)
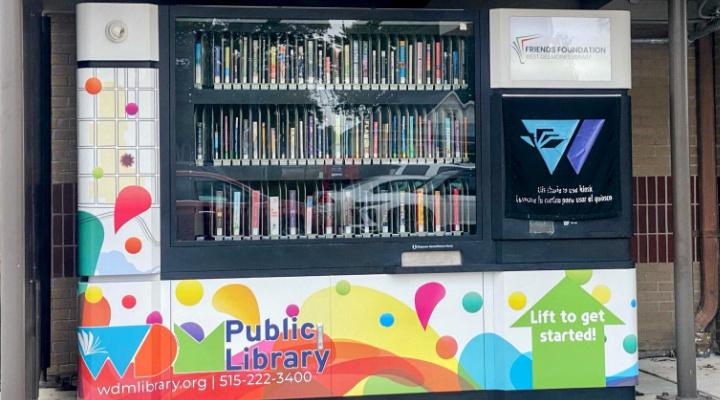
(517, 300)
(93, 294)
(602, 293)
(189, 293)
(238, 301)
(355, 316)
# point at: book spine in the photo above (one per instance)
(348, 212)
(308, 215)
(217, 69)
(456, 208)
(383, 67)
(419, 50)
(402, 60)
(366, 137)
(255, 61)
(456, 136)
(274, 215)
(254, 140)
(273, 65)
(226, 138)
(428, 63)
(227, 62)
(376, 138)
(282, 64)
(346, 64)
(198, 62)
(244, 63)
(216, 143)
(199, 143)
(236, 213)
(411, 136)
(437, 211)
(448, 134)
(401, 211)
(365, 63)
(438, 63)
(420, 217)
(328, 213)
(292, 212)
(219, 214)
(255, 212)
(355, 62)
(465, 137)
(456, 67)
(292, 143)
(311, 61)
(301, 65)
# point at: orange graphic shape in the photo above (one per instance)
(133, 245)
(157, 353)
(93, 85)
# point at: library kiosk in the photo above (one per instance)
(282, 203)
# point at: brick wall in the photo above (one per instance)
(652, 192)
(63, 347)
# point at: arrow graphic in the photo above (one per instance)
(568, 338)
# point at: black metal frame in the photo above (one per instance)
(498, 244)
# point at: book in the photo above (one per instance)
(198, 61)
(401, 211)
(199, 143)
(355, 61)
(274, 215)
(365, 63)
(456, 208)
(237, 199)
(217, 63)
(227, 61)
(348, 212)
(402, 60)
(292, 212)
(308, 215)
(255, 212)
(310, 61)
(437, 211)
(420, 207)
(219, 214)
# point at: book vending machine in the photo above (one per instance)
(281, 203)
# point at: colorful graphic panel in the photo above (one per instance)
(309, 337)
(118, 171)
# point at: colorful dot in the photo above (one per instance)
(129, 301)
(517, 300)
(93, 85)
(98, 172)
(195, 330)
(387, 320)
(292, 310)
(633, 303)
(630, 344)
(343, 287)
(472, 302)
(446, 347)
(189, 293)
(133, 245)
(601, 293)
(154, 318)
(93, 294)
(579, 276)
(131, 108)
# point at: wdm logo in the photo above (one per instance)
(519, 45)
(552, 137)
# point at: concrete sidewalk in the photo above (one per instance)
(658, 376)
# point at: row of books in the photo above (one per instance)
(297, 210)
(229, 60)
(255, 135)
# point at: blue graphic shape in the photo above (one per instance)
(583, 143)
(119, 344)
(493, 363)
(628, 377)
(550, 138)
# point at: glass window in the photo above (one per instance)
(294, 129)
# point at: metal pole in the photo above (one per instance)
(13, 363)
(682, 240)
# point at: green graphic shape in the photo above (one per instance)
(90, 240)
(568, 354)
(204, 356)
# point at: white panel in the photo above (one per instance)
(138, 40)
(560, 49)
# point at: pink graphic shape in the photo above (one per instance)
(154, 318)
(131, 108)
(427, 298)
(292, 310)
(131, 202)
